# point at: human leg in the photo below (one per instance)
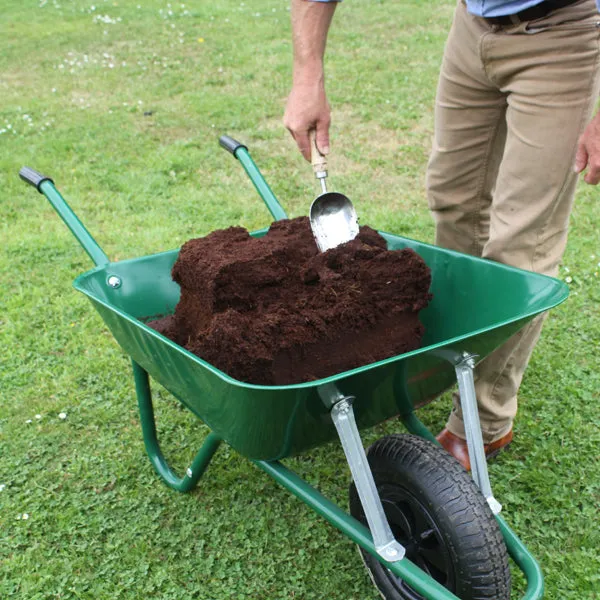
(551, 82)
(468, 141)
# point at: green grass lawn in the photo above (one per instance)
(122, 104)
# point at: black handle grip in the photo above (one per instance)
(230, 144)
(33, 177)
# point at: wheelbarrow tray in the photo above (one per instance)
(477, 304)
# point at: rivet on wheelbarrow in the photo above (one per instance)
(114, 282)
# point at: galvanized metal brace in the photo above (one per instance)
(464, 363)
(342, 415)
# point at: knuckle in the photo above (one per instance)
(594, 164)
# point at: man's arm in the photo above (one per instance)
(588, 152)
(307, 107)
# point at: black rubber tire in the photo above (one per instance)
(437, 512)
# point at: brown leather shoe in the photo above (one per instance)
(458, 447)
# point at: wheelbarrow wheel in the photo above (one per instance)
(438, 514)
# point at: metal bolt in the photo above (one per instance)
(189, 473)
(114, 282)
(469, 359)
(345, 406)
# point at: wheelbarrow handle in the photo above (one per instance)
(230, 144)
(45, 186)
(33, 177)
(240, 151)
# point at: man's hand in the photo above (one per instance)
(307, 107)
(588, 152)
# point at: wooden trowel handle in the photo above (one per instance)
(318, 160)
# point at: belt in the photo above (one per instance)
(530, 14)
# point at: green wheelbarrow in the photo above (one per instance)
(425, 528)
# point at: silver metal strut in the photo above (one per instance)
(342, 415)
(464, 363)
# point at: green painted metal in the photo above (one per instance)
(76, 227)
(262, 187)
(524, 560)
(406, 411)
(414, 425)
(200, 462)
(476, 306)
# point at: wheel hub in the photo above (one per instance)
(414, 527)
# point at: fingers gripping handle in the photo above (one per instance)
(318, 160)
(33, 177)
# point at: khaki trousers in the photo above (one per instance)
(511, 104)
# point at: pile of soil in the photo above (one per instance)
(275, 311)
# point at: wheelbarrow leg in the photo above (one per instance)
(200, 462)
(464, 363)
(342, 415)
(468, 401)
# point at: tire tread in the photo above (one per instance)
(482, 561)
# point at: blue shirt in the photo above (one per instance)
(493, 8)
